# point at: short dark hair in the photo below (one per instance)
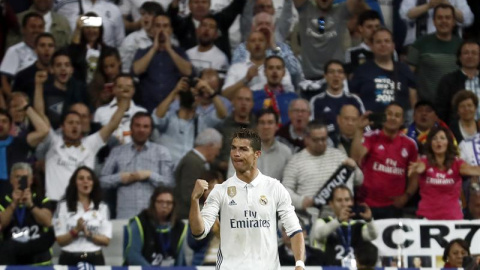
(163, 15)
(251, 135)
(443, 6)
(344, 187)
(462, 243)
(44, 35)
(463, 95)
(330, 62)
(459, 51)
(274, 57)
(368, 15)
(152, 8)
(394, 103)
(61, 52)
(30, 15)
(71, 193)
(211, 17)
(314, 124)
(5, 112)
(366, 254)
(122, 75)
(422, 103)
(268, 110)
(140, 115)
(65, 115)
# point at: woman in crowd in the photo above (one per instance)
(101, 88)
(82, 224)
(87, 46)
(440, 179)
(454, 253)
(466, 104)
(156, 236)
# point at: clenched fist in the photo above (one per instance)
(200, 187)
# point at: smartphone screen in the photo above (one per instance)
(23, 182)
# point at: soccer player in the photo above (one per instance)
(248, 203)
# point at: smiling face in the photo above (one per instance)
(244, 158)
(466, 110)
(444, 21)
(84, 182)
(393, 118)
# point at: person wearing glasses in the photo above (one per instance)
(156, 236)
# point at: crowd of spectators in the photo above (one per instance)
(112, 109)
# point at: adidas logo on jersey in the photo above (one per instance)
(232, 202)
(380, 147)
(327, 109)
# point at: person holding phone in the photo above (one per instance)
(352, 225)
(82, 221)
(26, 220)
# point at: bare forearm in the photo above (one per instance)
(6, 216)
(42, 216)
(182, 65)
(418, 11)
(298, 246)
(141, 65)
(6, 87)
(162, 108)
(459, 15)
(107, 130)
(38, 102)
(220, 107)
(100, 240)
(358, 150)
(195, 218)
(65, 239)
(230, 91)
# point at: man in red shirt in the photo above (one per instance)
(384, 156)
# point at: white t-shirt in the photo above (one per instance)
(17, 57)
(134, 41)
(470, 150)
(248, 229)
(105, 113)
(62, 161)
(237, 71)
(112, 20)
(97, 222)
(213, 58)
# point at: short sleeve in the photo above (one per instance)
(106, 225)
(60, 219)
(368, 141)
(94, 142)
(10, 62)
(286, 211)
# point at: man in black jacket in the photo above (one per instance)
(184, 27)
(465, 78)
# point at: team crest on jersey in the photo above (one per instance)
(232, 191)
(404, 153)
(263, 200)
(450, 171)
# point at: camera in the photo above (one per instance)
(89, 21)
(23, 182)
(357, 209)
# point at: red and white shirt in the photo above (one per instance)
(440, 191)
(385, 166)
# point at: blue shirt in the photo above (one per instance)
(160, 77)
(375, 86)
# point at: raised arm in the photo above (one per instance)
(229, 91)
(195, 218)
(141, 65)
(182, 64)
(469, 170)
(356, 6)
(41, 127)
(109, 128)
(358, 151)
(162, 108)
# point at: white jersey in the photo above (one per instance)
(248, 226)
(470, 150)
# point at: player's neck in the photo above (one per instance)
(249, 175)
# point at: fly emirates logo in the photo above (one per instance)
(389, 167)
(249, 221)
(440, 179)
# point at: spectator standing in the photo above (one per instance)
(82, 221)
(111, 17)
(137, 168)
(433, 55)
(196, 162)
(465, 78)
(22, 54)
(160, 66)
(384, 156)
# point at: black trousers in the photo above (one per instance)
(73, 258)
